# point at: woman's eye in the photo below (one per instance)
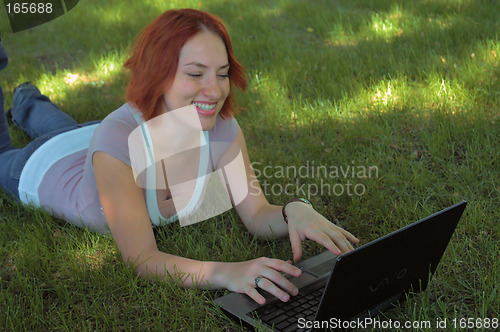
(196, 75)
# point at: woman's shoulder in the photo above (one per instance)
(120, 117)
(117, 125)
(111, 136)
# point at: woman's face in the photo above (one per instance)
(201, 78)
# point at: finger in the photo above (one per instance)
(326, 242)
(255, 295)
(341, 242)
(274, 275)
(287, 267)
(344, 245)
(280, 280)
(336, 235)
(349, 245)
(296, 245)
(348, 235)
(271, 288)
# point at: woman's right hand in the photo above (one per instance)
(240, 277)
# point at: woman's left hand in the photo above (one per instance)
(305, 223)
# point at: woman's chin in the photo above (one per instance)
(207, 123)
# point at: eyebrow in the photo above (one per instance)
(200, 65)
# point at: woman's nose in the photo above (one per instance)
(212, 89)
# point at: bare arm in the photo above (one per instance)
(266, 220)
(258, 216)
(127, 217)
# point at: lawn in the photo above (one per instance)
(389, 108)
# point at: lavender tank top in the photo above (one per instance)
(68, 190)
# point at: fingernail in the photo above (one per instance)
(285, 298)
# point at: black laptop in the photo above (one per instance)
(335, 291)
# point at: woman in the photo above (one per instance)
(183, 62)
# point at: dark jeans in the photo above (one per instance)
(39, 118)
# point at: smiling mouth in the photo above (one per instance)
(205, 109)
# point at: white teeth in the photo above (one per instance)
(205, 106)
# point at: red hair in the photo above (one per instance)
(153, 61)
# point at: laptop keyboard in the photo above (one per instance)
(284, 316)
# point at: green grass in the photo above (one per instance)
(411, 87)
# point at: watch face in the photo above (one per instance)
(28, 14)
